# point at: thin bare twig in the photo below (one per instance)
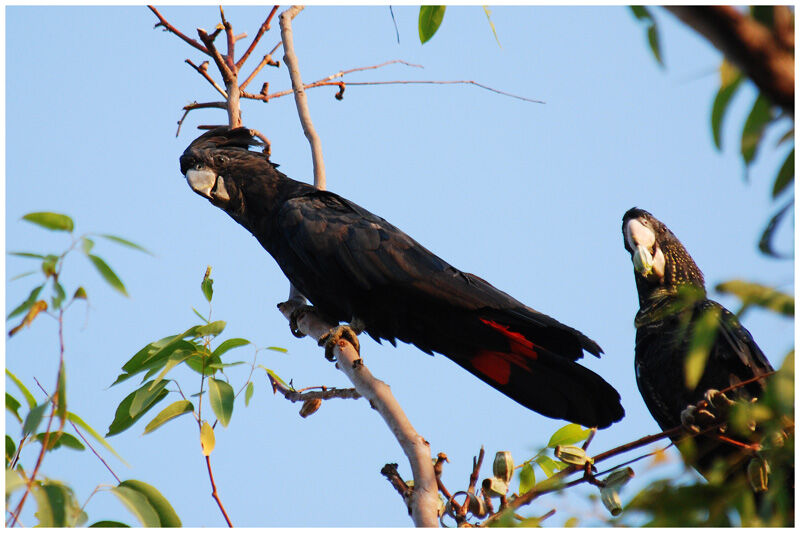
(299, 396)
(169, 27)
(263, 29)
(267, 60)
(195, 105)
(214, 493)
(203, 71)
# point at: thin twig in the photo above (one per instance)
(214, 493)
(203, 71)
(169, 27)
(267, 60)
(84, 439)
(195, 105)
(263, 29)
(298, 396)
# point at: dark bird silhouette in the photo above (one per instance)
(672, 302)
(353, 265)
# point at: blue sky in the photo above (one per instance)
(527, 196)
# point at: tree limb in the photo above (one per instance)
(424, 500)
(749, 45)
(290, 59)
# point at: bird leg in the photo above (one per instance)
(341, 332)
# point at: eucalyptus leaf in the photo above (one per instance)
(760, 295)
(173, 410)
(527, 478)
(146, 395)
(123, 419)
(166, 514)
(78, 421)
(23, 389)
(56, 505)
(34, 418)
(248, 393)
(720, 106)
(760, 115)
(109, 275)
(207, 440)
(29, 301)
(765, 243)
(125, 242)
(13, 405)
(51, 221)
(229, 344)
(138, 504)
(785, 175)
(220, 395)
(430, 18)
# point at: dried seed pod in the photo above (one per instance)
(574, 455)
(503, 466)
(310, 407)
(495, 486)
(618, 478)
(610, 498)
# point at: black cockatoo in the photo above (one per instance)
(672, 304)
(353, 265)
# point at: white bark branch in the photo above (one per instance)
(300, 100)
(425, 500)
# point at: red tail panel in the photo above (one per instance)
(519, 344)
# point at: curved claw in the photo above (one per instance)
(296, 315)
(331, 339)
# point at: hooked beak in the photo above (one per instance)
(207, 184)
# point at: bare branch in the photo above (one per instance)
(267, 60)
(230, 39)
(169, 27)
(214, 493)
(300, 96)
(424, 500)
(747, 44)
(261, 31)
(195, 105)
(203, 71)
(228, 76)
(324, 394)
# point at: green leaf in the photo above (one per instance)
(11, 450)
(24, 274)
(13, 405)
(702, 339)
(125, 242)
(49, 265)
(34, 418)
(14, 481)
(61, 393)
(207, 440)
(173, 410)
(248, 393)
(220, 394)
(489, 18)
(275, 376)
(123, 419)
(75, 419)
(109, 523)
(138, 504)
(159, 349)
(29, 301)
(210, 330)
(527, 478)
(174, 359)
(430, 18)
(760, 115)
(27, 254)
(653, 41)
(204, 319)
(80, 294)
(762, 296)
(108, 274)
(59, 296)
(146, 395)
(52, 221)
(166, 514)
(56, 505)
(87, 245)
(207, 286)
(548, 465)
(277, 349)
(785, 175)
(720, 106)
(765, 243)
(641, 12)
(65, 439)
(25, 392)
(569, 434)
(229, 344)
